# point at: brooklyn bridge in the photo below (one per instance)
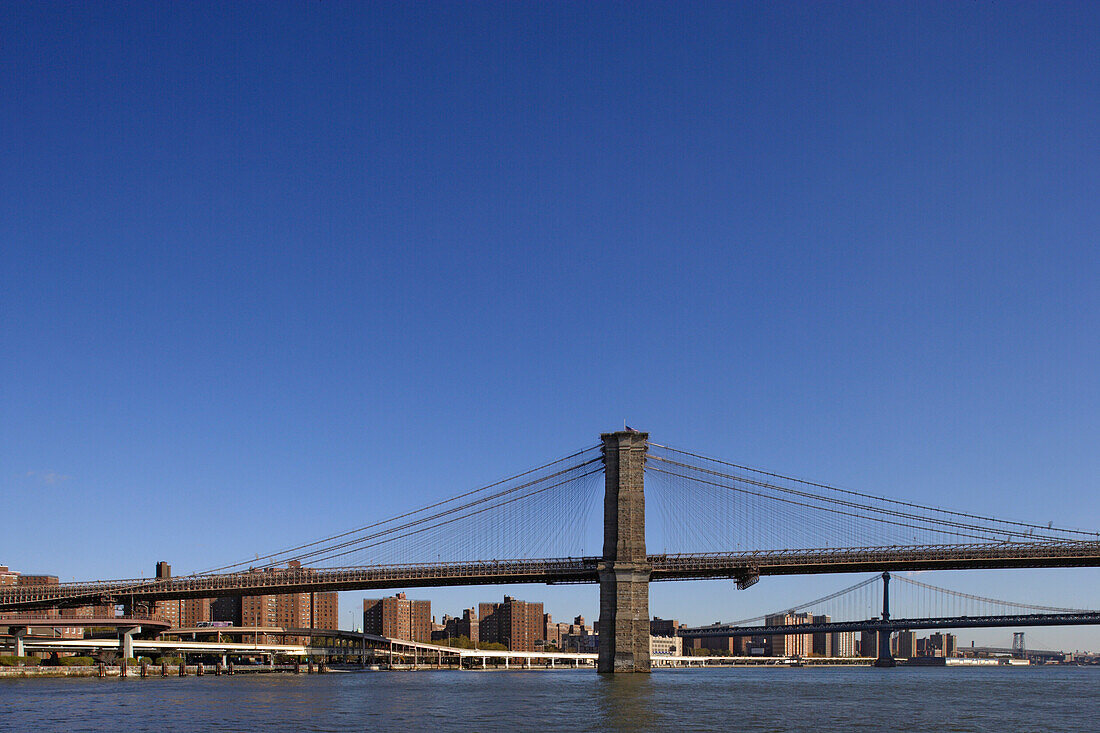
(712, 518)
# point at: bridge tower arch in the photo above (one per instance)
(624, 569)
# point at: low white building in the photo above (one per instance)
(668, 646)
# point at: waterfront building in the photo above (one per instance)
(227, 609)
(907, 644)
(552, 632)
(664, 626)
(185, 612)
(580, 637)
(8, 577)
(14, 577)
(735, 646)
(822, 640)
(398, 617)
(843, 644)
(666, 646)
(868, 644)
(943, 645)
(789, 645)
(456, 626)
(518, 625)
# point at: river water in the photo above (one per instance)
(1004, 700)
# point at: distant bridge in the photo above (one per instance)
(900, 624)
(992, 613)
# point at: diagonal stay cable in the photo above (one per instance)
(829, 509)
(422, 520)
(404, 515)
(856, 505)
(456, 519)
(876, 498)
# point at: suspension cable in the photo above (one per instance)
(982, 599)
(403, 515)
(876, 498)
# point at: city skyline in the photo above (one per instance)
(255, 263)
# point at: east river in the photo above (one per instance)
(1005, 700)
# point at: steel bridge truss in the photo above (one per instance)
(743, 567)
(899, 624)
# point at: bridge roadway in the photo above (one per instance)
(744, 567)
(898, 624)
(102, 622)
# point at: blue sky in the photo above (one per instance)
(271, 271)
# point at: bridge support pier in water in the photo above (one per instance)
(624, 570)
(885, 658)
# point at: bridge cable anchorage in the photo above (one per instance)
(801, 513)
(281, 556)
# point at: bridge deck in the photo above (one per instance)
(741, 566)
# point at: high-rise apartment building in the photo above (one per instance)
(227, 609)
(184, 613)
(259, 611)
(289, 610)
(868, 644)
(907, 644)
(822, 640)
(326, 610)
(943, 645)
(790, 645)
(518, 625)
(578, 637)
(843, 643)
(552, 632)
(398, 618)
(466, 625)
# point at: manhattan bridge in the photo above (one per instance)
(712, 519)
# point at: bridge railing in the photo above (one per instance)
(997, 549)
(741, 565)
(275, 578)
(1054, 553)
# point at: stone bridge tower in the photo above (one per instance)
(625, 568)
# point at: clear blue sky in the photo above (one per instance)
(268, 271)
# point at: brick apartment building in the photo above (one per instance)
(398, 617)
(14, 577)
(789, 645)
(518, 625)
(466, 625)
(288, 610)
